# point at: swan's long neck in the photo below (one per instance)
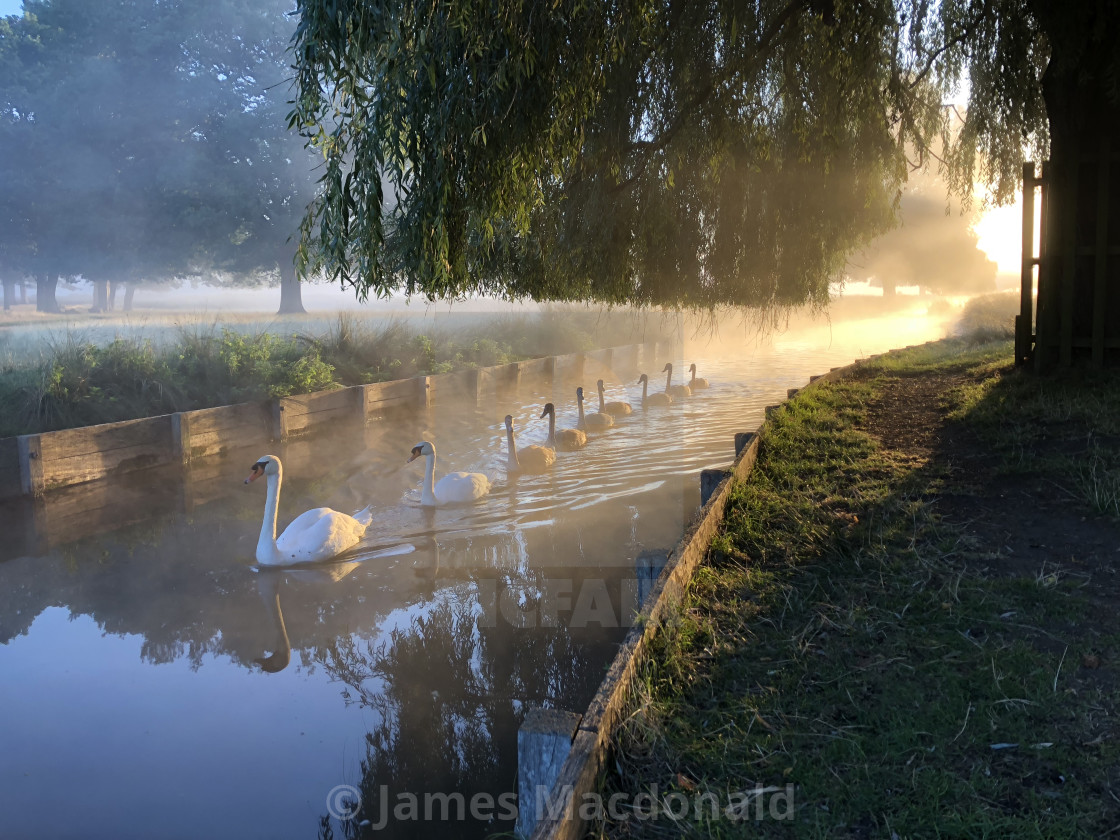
(511, 458)
(428, 495)
(693, 379)
(645, 389)
(579, 404)
(602, 405)
(668, 379)
(552, 429)
(266, 544)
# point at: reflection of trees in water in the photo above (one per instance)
(448, 690)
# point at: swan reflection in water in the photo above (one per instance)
(268, 587)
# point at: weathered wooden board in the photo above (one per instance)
(74, 456)
(301, 414)
(216, 430)
(9, 468)
(385, 396)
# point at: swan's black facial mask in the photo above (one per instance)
(415, 453)
(256, 472)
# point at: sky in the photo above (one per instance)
(10, 7)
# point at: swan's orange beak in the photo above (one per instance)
(258, 471)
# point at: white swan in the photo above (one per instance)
(453, 488)
(318, 534)
(530, 459)
(566, 439)
(614, 409)
(674, 391)
(594, 422)
(656, 398)
(696, 384)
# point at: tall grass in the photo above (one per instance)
(73, 380)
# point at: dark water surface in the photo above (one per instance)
(153, 683)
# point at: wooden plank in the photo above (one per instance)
(423, 392)
(181, 437)
(303, 412)
(1100, 264)
(10, 484)
(74, 456)
(216, 430)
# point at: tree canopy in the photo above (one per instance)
(653, 151)
(147, 140)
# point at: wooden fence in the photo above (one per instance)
(31, 465)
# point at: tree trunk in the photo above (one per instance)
(45, 287)
(9, 293)
(888, 288)
(22, 292)
(100, 296)
(291, 299)
(1078, 284)
(129, 293)
(111, 301)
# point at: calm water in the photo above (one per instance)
(154, 684)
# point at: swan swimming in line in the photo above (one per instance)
(657, 398)
(594, 422)
(313, 536)
(568, 440)
(696, 384)
(453, 488)
(614, 409)
(674, 391)
(530, 459)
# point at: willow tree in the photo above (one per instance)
(662, 151)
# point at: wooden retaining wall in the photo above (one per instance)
(31, 465)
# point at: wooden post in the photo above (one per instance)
(1101, 257)
(279, 421)
(742, 441)
(1068, 208)
(423, 392)
(709, 481)
(181, 437)
(515, 376)
(770, 409)
(1023, 328)
(791, 393)
(543, 744)
(550, 369)
(474, 384)
(608, 358)
(31, 465)
(580, 365)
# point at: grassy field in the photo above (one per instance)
(109, 372)
(906, 628)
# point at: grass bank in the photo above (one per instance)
(77, 381)
(907, 625)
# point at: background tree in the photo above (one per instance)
(655, 151)
(147, 141)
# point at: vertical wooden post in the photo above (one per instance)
(709, 481)
(1068, 209)
(423, 392)
(1100, 288)
(608, 358)
(474, 384)
(279, 421)
(181, 437)
(515, 377)
(550, 369)
(742, 441)
(579, 366)
(31, 478)
(1023, 328)
(362, 403)
(543, 744)
(791, 393)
